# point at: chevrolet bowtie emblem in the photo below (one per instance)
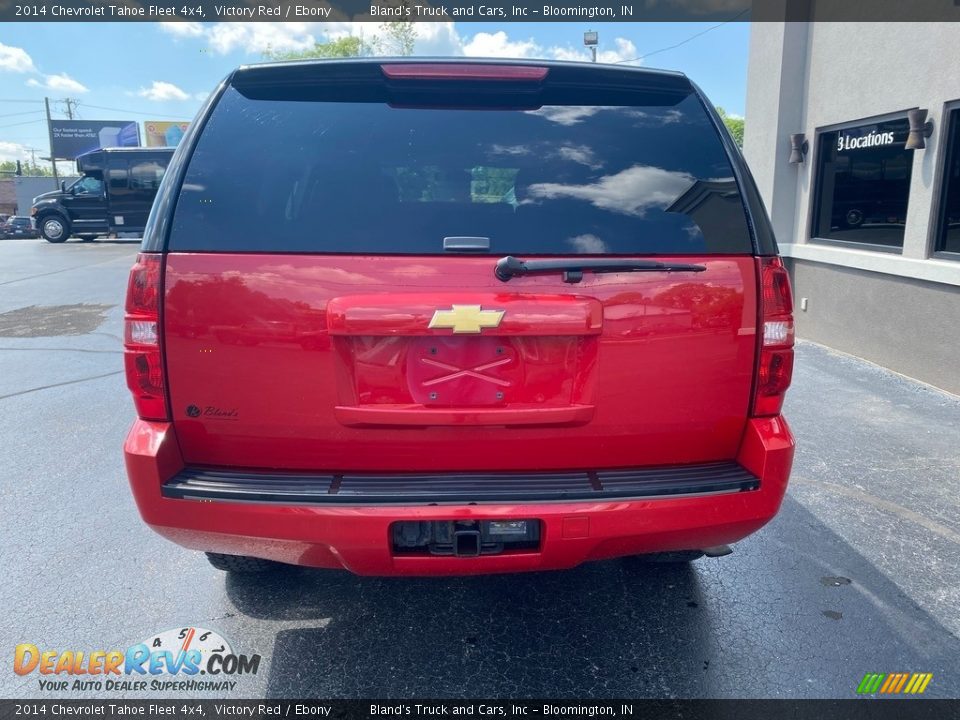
(466, 318)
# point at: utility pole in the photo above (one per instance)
(70, 104)
(53, 160)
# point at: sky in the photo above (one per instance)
(163, 71)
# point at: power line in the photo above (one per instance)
(684, 42)
(28, 122)
(133, 112)
(27, 112)
(101, 107)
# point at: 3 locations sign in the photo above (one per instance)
(70, 138)
(876, 135)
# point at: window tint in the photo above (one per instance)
(146, 175)
(863, 182)
(948, 239)
(119, 177)
(364, 177)
(88, 185)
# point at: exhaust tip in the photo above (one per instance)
(717, 550)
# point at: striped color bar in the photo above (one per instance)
(894, 683)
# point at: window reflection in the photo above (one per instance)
(863, 182)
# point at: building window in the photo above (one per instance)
(948, 232)
(863, 183)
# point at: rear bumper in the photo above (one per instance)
(612, 518)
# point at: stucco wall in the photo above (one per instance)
(898, 310)
(28, 188)
(907, 325)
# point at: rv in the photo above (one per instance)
(113, 194)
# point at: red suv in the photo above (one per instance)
(455, 317)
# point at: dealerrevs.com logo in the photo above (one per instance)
(183, 659)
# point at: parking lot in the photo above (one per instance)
(859, 573)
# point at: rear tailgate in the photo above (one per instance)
(313, 320)
(289, 366)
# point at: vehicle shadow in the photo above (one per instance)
(796, 612)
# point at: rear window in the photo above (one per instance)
(290, 174)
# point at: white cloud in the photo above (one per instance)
(631, 191)
(161, 91)
(624, 50)
(568, 114)
(433, 38)
(580, 154)
(13, 151)
(14, 59)
(499, 45)
(260, 37)
(588, 244)
(437, 39)
(182, 29)
(59, 82)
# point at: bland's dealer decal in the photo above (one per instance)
(171, 660)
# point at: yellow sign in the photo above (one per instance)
(161, 133)
(466, 318)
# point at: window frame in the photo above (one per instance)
(951, 113)
(814, 209)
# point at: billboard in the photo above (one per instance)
(162, 133)
(75, 137)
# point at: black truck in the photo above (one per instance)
(113, 194)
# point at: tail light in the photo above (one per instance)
(775, 365)
(141, 339)
(456, 71)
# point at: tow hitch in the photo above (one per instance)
(464, 538)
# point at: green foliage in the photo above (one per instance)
(9, 167)
(348, 46)
(734, 125)
(399, 38)
(396, 38)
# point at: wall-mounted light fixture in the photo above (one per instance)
(798, 148)
(920, 128)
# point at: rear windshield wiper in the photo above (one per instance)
(573, 269)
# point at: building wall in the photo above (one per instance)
(27, 188)
(898, 310)
(8, 199)
(908, 325)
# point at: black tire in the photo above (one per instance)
(854, 218)
(240, 563)
(668, 558)
(54, 228)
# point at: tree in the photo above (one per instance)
(9, 167)
(349, 46)
(399, 38)
(734, 125)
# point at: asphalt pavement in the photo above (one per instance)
(859, 573)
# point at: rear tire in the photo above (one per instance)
(240, 563)
(54, 228)
(668, 558)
